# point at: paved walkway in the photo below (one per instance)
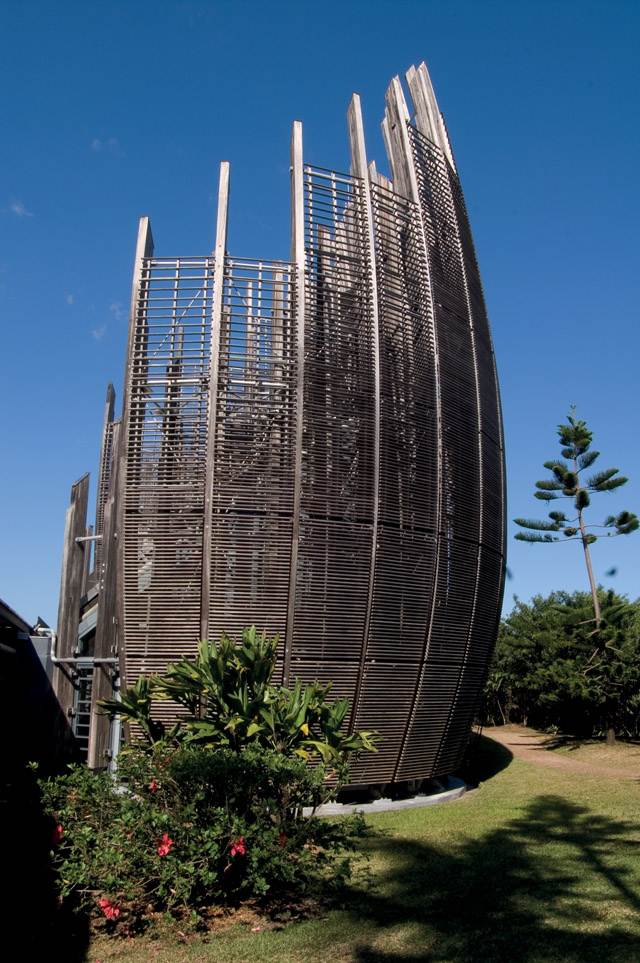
(534, 747)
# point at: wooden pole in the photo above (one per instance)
(216, 325)
(73, 568)
(106, 641)
(137, 321)
(104, 470)
(298, 259)
(359, 168)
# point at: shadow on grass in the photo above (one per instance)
(484, 759)
(537, 889)
(31, 919)
(563, 741)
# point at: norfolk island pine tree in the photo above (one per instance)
(567, 481)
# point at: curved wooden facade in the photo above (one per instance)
(315, 446)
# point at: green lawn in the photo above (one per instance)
(535, 865)
(622, 755)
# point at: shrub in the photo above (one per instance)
(189, 827)
(551, 669)
(210, 811)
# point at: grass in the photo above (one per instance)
(622, 755)
(536, 865)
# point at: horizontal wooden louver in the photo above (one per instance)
(315, 447)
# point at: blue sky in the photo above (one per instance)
(112, 110)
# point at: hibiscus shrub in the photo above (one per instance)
(210, 811)
(184, 828)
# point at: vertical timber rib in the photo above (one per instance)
(137, 322)
(73, 567)
(429, 123)
(106, 641)
(216, 323)
(359, 169)
(298, 305)
(396, 138)
(104, 474)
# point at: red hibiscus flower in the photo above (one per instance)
(282, 840)
(110, 910)
(238, 847)
(165, 845)
(57, 834)
(153, 785)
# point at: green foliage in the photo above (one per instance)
(538, 525)
(210, 811)
(546, 485)
(530, 537)
(582, 499)
(188, 828)
(552, 667)
(575, 439)
(230, 701)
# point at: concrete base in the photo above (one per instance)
(452, 788)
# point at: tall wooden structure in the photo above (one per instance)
(315, 447)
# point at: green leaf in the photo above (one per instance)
(609, 486)
(538, 526)
(559, 468)
(582, 499)
(327, 752)
(586, 460)
(530, 537)
(559, 517)
(600, 477)
(626, 523)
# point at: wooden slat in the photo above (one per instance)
(359, 168)
(216, 323)
(73, 568)
(104, 475)
(144, 249)
(298, 318)
(106, 640)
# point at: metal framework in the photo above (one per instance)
(315, 447)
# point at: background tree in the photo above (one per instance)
(568, 481)
(546, 673)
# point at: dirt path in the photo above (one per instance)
(535, 747)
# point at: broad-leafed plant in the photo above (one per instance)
(230, 701)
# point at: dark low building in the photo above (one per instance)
(32, 721)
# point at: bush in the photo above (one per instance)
(552, 669)
(189, 827)
(211, 811)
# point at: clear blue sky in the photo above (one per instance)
(112, 110)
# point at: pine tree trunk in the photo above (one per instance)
(587, 558)
(592, 582)
(610, 722)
